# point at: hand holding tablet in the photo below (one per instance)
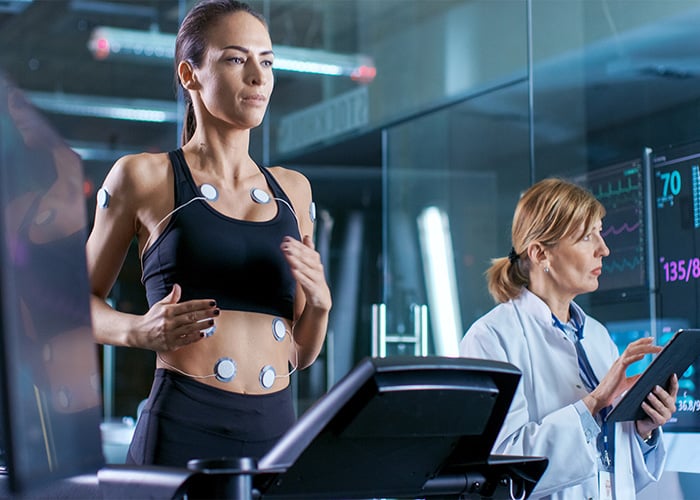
(676, 357)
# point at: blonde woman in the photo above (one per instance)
(571, 369)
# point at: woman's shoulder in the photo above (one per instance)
(289, 177)
(493, 334)
(140, 163)
(139, 171)
(501, 318)
(292, 182)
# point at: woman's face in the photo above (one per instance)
(235, 78)
(576, 262)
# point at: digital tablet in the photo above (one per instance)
(676, 356)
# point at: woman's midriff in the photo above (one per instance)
(249, 342)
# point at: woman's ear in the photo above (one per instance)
(537, 253)
(185, 72)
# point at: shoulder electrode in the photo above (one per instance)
(209, 192)
(103, 197)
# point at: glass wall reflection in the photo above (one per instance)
(50, 381)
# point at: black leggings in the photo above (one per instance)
(184, 419)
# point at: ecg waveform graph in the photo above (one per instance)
(620, 189)
(623, 263)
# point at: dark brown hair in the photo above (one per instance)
(191, 44)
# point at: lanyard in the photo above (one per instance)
(590, 380)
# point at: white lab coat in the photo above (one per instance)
(542, 420)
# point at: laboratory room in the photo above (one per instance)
(405, 246)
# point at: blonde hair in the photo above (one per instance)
(549, 211)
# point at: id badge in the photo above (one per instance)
(605, 485)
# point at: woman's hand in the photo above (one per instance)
(305, 264)
(312, 310)
(170, 325)
(616, 381)
(659, 407)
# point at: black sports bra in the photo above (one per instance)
(238, 263)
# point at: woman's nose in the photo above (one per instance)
(256, 74)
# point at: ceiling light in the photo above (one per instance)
(156, 47)
(13, 6)
(116, 43)
(144, 110)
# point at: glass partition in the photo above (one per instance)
(614, 90)
(611, 78)
(449, 195)
(408, 56)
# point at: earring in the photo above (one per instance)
(546, 269)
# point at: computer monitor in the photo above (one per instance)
(676, 202)
(50, 397)
(620, 187)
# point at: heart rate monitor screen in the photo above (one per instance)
(676, 206)
(620, 188)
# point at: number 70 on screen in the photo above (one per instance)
(671, 182)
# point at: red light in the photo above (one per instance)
(364, 74)
(87, 187)
(101, 48)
